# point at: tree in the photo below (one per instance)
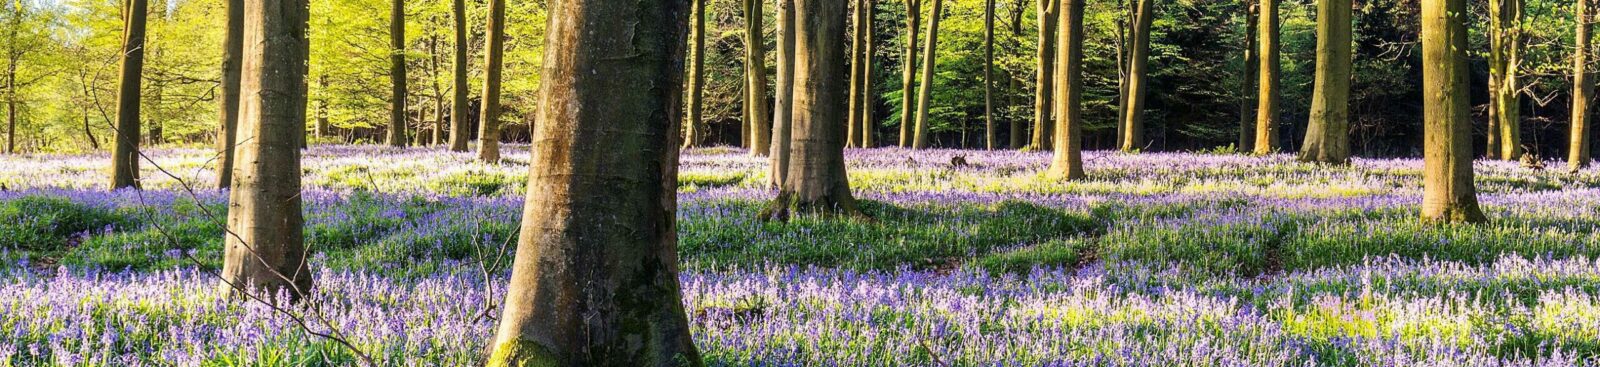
(599, 237)
(1505, 59)
(1267, 98)
(697, 76)
(1138, 76)
(989, 138)
(925, 92)
(265, 252)
(868, 117)
(755, 55)
(908, 71)
(1019, 135)
(858, 73)
(397, 73)
(1068, 160)
(125, 157)
(493, 65)
(1582, 88)
(1328, 133)
(1045, 76)
(1247, 92)
(783, 96)
(816, 181)
(1448, 193)
(232, 50)
(458, 80)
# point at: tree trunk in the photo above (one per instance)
(1328, 133)
(397, 73)
(909, 72)
(232, 48)
(595, 280)
(816, 182)
(1247, 92)
(858, 70)
(494, 59)
(1138, 76)
(11, 108)
(697, 76)
(1068, 161)
(1448, 193)
(1582, 89)
(322, 126)
(1018, 137)
(1505, 58)
(458, 81)
(868, 117)
(990, 140)
(94, 143)
(265, 253)
(438, 92)
(1267, 98)
(125, 157)
(1043, 116)
(756, 73)
(930, 54)
(783, 99)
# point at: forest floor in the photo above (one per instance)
(1156, 259)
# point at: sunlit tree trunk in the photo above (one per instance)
(1068, 161)
(1505, 59)
(990, 141)
(1138, 76)
(816, 182)
(1044, 78)
(868, 117)
(438, 92)
(1328, 133)
(909, 72)
(595, 280)
(125, 157)
(783, 99)
(1019, 135)
(697, 77)
(322, 126)
(1267, 98)
(1448, 193)
(458, 80)
(397, 73)
(858, 71)
(493, 64)
(264, 252)
(232, 47)
(1247, 91)
(925, 92)
(1582, 88)
(756, 80)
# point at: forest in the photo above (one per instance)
(798, 183)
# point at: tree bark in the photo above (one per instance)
(756, 74)
(1267, 98)
(1043, 114)
(438, 127)
(322, 126)
(232, 47)
(990, 140)
(1505, 59)
(1328, 132)
(1582, 88)
(1138, 76)
(816, 182)
(1448, 193)
(858, 70)
(909, 72)
(94, 143)
(397, 73)
(125, 157)
(1247, 92)
(458, 81)
(1067, 163)
(494, 60)
(783, 98)
(930, 54)
(697, 77)
(11, 106)
(264, 252)
(595, 280)
(868, 117)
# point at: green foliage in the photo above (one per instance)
(50, 223)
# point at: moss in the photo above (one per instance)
(522, 353)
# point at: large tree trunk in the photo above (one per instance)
(458, 81)
(908, 78)
(1068, 161)
(397, 73)
(125, 157)
(783, 99)
(930, 54)
(1267, 98)
(858, 71)
(595, 280)
(755, 54)
(1043, 116)
(816, 182)
(1138, 76)
(1505, 58)
(697, 77)
(1247, 88)
(868, 117)
(1582, 89)
(989, 138)
(1448, 193)
(494, 59)
(1328, 133)
(232, 48)
(264, 252)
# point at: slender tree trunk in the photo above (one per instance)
(1018, 138)
(858, 70)
(990, 140)
(1448, 193)
(909, 72)
(438, 92)
(697, 76)
(265, 253)
(1068, 161)
(1582, 88)
(816, 182)
(783, 99)
(94, 143)
(458, 80)
(1505, 58)
(322, 126)
(494, 59)
(595, 280)
(11, 108)
(925, 92)
(1043, 116)
(232, 48)
(125, 158)
(1138, 76)
(397, 73)
(1267, 99)
(1328, 133)
(1247, 92)
(868, 117)
(756, 73)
